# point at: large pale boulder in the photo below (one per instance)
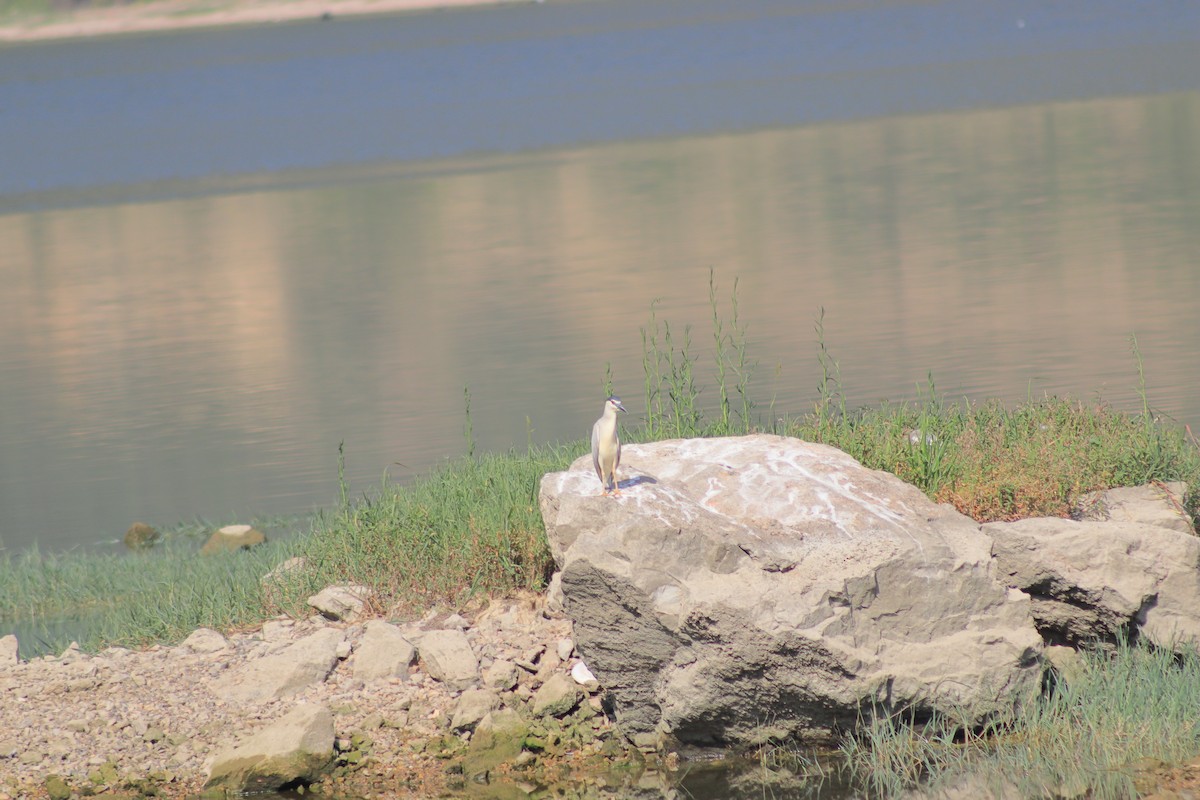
(1096, 580)
(448, 657)
(341, 602)
(759, 586)
(1159, 504)
(297, 666)
(383, 652)
(296, 749)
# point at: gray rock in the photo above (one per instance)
(296, 748)
(498, 739)
(232, 537)
(472, 706)
(1158, 504)
(341, 602)
(296, 666)
(205, 640)
(448, 658)
(554, 595)
(9, 650)
(763, 586)
(1091, 580)
(564, 649)
(383, 652)
(556, 697)
(501, 675)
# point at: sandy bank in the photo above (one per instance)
(163, 15)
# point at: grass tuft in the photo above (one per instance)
(1087, 738)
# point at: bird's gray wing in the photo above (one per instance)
(596, 450)
(617, 461)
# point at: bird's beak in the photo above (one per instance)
(622, 408)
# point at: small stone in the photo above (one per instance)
(456, 622)
(554, 596)
(501, 675)
(472, 706)
(565, 648)
(140, 536)
(345, 602)
(205, 640)
(232, 537)
(583, 676)
(557, 696)
(57, 788)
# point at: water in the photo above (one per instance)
(224, 253)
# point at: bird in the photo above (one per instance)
(606, 446)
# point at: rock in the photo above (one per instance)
(554, 596)
(583, 676)
(10, 650)
(473, 705)
(72, 653)
(456, 621)
(564, 648)
(341, 602)
(556, 697)
(296, 666)
(497, 740)
(383, 652)
(1091, 580)
(204, 640)
(232, 537)
(140, 536)
(57, 788)
(448, 658)
(501, 675)
(296, 749)
(1158, 504)
(763, 586)
(1067, 662)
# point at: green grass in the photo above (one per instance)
(1091, 737)
(472, 526)
(140, 598)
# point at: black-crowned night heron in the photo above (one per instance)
(606, 446)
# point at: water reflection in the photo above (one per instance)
(204, 356)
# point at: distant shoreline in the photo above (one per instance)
(166, 15)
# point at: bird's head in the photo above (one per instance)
(615, 402)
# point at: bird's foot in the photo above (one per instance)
(616, 492)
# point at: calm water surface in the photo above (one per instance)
(223, 253)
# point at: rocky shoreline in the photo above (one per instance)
(162, 720)
(741, 592)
